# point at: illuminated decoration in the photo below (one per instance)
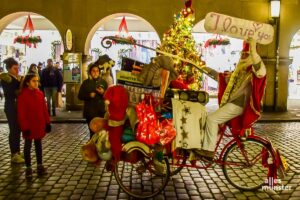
(28, 40)
(178, 40)
(275, 8)
(218, 40)
(69, 40)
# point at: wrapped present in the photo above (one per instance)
(167, 132)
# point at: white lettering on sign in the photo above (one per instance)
(238, 28)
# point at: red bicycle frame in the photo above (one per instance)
(219, 161)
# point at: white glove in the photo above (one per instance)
(253, 53)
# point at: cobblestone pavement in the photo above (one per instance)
(69, 177)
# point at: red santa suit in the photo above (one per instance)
(251, 112)
(118, 103)
(239, 99)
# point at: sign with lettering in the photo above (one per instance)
(238, 28)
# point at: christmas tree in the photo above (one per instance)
(178, 40)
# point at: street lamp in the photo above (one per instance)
(275, 8)
(275, 14)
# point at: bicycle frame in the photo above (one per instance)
(219, 161)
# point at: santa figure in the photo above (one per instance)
(240, 95)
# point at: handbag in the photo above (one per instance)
(59, 101)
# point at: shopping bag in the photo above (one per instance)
(167, 132)
(147, 130)
(59, 101)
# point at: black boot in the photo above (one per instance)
(53, 112)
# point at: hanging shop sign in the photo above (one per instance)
(72, 65)
(238, 28)
(69, 40)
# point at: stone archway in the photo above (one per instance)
(110, 23)
(294, 73)
(12, 25)
(104, 21)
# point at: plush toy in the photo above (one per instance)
(102, 144)
(116, 100)
(98, 146)
(89, 152)
(97, 124)
(105, 62)
(151, 73)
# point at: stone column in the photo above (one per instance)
(269, 97)
(282, 84)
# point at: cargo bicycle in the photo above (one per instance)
(245, 158)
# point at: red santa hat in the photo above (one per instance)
(246, 47)
(118, 102)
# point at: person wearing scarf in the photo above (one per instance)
(11, 82)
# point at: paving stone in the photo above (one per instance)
(65, 193)
(296, 194)
(193, 193)
(196, 198)
(219, 196)
(51, 197)
(69, 177)
(170, 194)
(181, 191)
(89, 192)
(253, 198)
(183, 196)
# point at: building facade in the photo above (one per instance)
(82, 17)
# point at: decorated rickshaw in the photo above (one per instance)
(148, 161)
(247, 160)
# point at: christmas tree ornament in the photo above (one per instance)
(178, 40)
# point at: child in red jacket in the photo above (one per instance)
(34, 121)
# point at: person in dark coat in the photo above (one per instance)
(91, 92)
(34, 121)
(39, 69)
(52, 83)
(11, 83)
(33, 68)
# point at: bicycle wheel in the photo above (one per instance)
(246, 175)
(177, 163)
(139, 180)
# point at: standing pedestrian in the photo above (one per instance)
(91, 92)
(52, 83)
(11, 84)
(33, 68)
(34, 121)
